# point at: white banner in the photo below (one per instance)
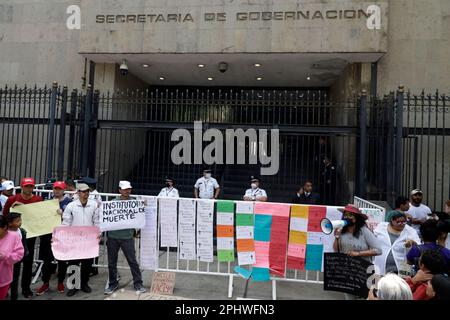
(168, 215)
(149, 236)
(187, 229)
(205, 210)
(122, 214)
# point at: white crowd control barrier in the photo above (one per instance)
(364, 204)
(169, 257)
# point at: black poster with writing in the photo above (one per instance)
(346, 274)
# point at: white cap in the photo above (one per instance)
(124, 185)
(8, 185)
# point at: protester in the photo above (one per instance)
(255, 193)
(430, 263)
(70, 188)
(7, 188)
(26, 197)
(356, 239)
(206, 187)
(123, 239)
(394, 237)
(401, 205)
(82, 212)
(430, 234)
(418, 211)
(14, 225)
(306, 195)
(439, 287)
(391, 287)
(169, 190)
(58, 193)
(11, 252)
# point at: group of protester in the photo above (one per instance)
(410, 249)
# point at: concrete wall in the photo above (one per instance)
(418, 53)
(35, 45)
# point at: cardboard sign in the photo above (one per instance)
(163, 283)
(346, 274)
(39, 218)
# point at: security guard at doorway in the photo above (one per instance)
(255, 193)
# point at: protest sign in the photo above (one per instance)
(123, 214)
(375, 216)
(149, 236)
(346, 274)
(39, 218)
(163, 283)
(74, 243)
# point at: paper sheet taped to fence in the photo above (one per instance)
(187, 229)
(205, 210)
(149, 236)
(74, 243)
(123, 214)
(39, 218)
(168, 215)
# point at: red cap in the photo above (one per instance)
(27, 182)
(60, 184)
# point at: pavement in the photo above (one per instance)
(191, 286)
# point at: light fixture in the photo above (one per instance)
(258, 79)
(201, 65)
(308, 78)
(210, 79)
(257, 65)
(162, 78)
(145, 65)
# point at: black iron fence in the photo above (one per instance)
(379, 147)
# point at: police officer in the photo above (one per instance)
(206, 187)
(255, 193)
(328, 182)
(169, 190)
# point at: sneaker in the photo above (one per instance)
(140, 289)
(61, 287)
(27, 294)
(43, 289)
(111, 289)
(85, 288)
(71, 292)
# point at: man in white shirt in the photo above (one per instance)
(206, 187)
(418, 212)
(82, 212)
(169, 190)
(255, 193)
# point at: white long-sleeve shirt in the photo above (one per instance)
(77, 215)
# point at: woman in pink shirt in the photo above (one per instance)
(11, 251)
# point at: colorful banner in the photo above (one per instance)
(39, 218)
(279, 234)
(298, 233)
(149, 236)
(123, 214)
(186, 227)
(75, 243)
(205, 211)
(314, 241)
(225, 242)
(245, 231)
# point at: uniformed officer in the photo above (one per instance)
(328, 185)
(255, 193)
(169, 190)
(206, 187)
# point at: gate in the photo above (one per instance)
(380, 147)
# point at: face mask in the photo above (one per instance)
(167, 185)
(254, 186)
(208, 175)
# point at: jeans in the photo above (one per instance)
(86, 265)
(127, 246)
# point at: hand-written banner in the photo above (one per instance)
(39, 218)
(74, 243)
(124, 214)
(149, 236)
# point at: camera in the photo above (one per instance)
(124, 68)
(223, 67)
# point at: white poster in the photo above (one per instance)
(168, 216)
(244, 207)
(205, 211)
(187, 229)
(375, 217)
(246, 258)
(149, 241)
(122, 214)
